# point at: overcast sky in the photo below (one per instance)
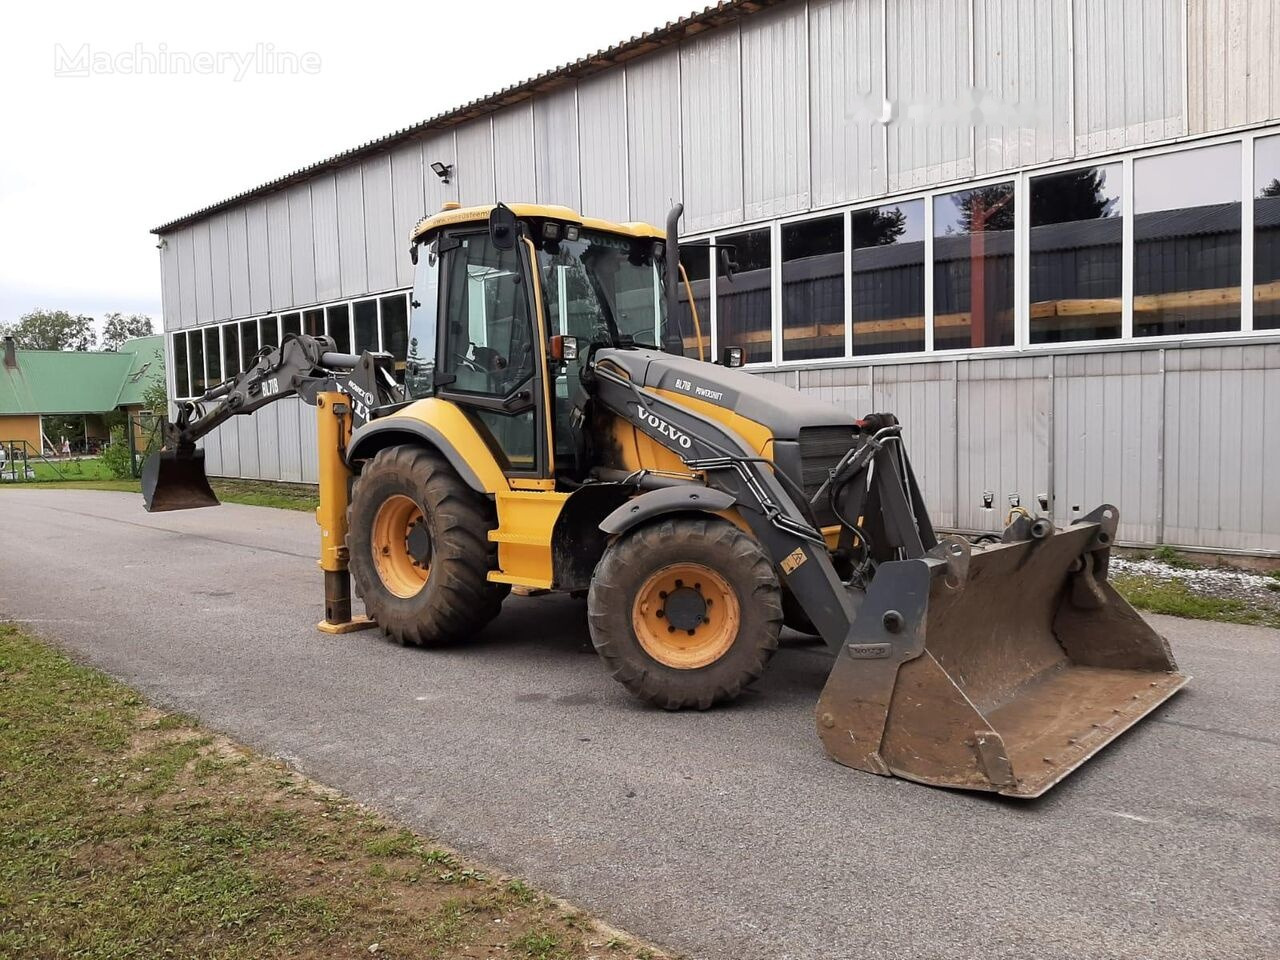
(90, 163)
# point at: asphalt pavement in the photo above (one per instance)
(724, 834)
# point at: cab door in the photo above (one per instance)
(490, 357)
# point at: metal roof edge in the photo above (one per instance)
(667, 35)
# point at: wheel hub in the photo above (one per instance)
(685, 608)
(686, 615)
(418, 543)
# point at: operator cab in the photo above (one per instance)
(498, 293)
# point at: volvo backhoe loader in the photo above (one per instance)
(559, 427)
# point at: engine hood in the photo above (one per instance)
(783, 410)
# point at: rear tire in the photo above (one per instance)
(419, 549)
(722, 626)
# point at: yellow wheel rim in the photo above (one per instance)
(686, 616)
(399, 571)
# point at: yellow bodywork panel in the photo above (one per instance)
(525, 521)
(480, 214)
(453, 423)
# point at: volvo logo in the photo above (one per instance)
(667, 430)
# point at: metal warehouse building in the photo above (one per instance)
(1045, 233)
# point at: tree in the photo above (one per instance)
(1074, 195)
(118, 328)
(51, 330)
(155, 397)
(988, 208)
(1272, 189)
(878, 227)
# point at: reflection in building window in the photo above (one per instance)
(195, 352)
(695, 257)
(212, 357)
(312, 323)
(973, 268)
(1266, 234)
(1076, 255)
(1186, 232)
(181, 380)
(395, 330)
(813, 289)
(366, 324)
(248, 341)
(273, 329)
(231, 349)
(888, 279)
(338, 320)
(744, 308)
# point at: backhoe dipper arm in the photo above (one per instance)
(302, 365)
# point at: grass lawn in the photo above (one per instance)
(90, 468)
(1176, 599)
(129, 832)
(257, 493)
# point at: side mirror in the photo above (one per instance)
(732, 357)
(502, 227)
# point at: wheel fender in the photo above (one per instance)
(439, 424)
(655, 503)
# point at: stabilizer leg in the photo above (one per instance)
(333, 432)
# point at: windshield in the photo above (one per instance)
(604, 288)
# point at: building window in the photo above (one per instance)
(313, 323)
(212, 357)
(1186, 231)
(888, 278)
(248, 341)
(290, 323)
(394, 317)
(195, 353)
(813, 289)
(695, 257)
(973, 268)
(366, 324)
(231, 349)
(1266, 233)
(338, 323)
(744, 303)
(1076, 255)
(181, 376)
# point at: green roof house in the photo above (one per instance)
(35, 384)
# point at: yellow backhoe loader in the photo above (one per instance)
(558, 426)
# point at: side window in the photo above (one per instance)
(488, 337)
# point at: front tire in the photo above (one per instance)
(419, 550)
(685, 612)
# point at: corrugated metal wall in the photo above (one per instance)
(816, 104)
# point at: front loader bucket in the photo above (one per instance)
(1001, 668)
(175, 480)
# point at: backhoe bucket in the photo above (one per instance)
(1001, 668)
(175, 480)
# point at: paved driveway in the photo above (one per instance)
(723, 835)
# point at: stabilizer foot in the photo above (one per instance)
(347, 626)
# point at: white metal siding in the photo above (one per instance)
(711, 125)
(351, 231)
(775, 112)
(171, 305)
(1022, 74)
(602, 144)
(653, 135)
(1128, 73)
(324, 233)
(238, 261)
(380, 245)
(555, 152)
(220, 267)
(279, 258)
(846, 99)
(923, 396)
(1233, 73)
(301, 245)
(203, 271)
(513, 154)
(929, 140)
(475, 162)
(259, 256)
(185, 245)
(407, 204)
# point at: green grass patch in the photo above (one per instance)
(70, 470)
(129, 833)
(255, 493)
(1175, 598)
